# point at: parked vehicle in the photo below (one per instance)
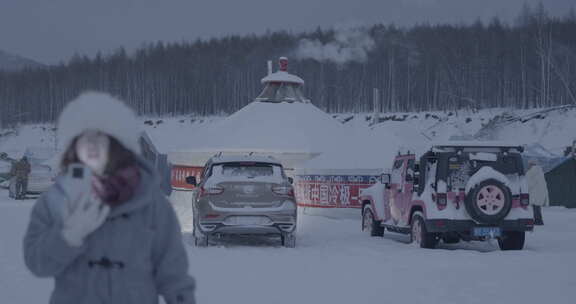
(6, 164)
(244, 195)
(457, 191)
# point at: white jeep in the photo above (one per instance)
(456, 191)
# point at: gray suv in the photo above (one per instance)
(243, 195)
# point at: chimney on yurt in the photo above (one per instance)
(282, 86)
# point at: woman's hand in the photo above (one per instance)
(87, 215)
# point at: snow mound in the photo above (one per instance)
(362, 149)
(160, 129)
(554, 129)
(174, 133)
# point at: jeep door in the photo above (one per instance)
(407, 190)
(396, 189)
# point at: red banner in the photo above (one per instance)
(179, 174)
(319, 191)
(331, 191)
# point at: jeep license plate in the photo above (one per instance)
(487, 231)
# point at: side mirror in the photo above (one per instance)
(191, 180)
(291, 180)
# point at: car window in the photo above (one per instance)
(247, 170)
(411, 165)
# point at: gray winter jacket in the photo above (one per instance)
(134, 257)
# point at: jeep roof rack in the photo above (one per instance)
(459, 145)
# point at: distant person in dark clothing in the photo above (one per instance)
(20, 172)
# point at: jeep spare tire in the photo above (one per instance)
(489, 202)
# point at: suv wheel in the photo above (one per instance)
(512, 240)
(419, 235)
(370, 224)
(289, 240)
(489, 202)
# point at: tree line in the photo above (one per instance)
(529, 63)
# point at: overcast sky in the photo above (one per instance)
(50, 31)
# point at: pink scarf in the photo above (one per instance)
(118, 188)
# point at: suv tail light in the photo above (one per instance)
(283, 191)
(441, 199)
(524, 200)
(210, 191)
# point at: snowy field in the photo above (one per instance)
(336, 263)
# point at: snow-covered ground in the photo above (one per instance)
(336, 263)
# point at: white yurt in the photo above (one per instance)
(280, 122)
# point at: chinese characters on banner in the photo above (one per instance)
(331, 191)
(179, 174)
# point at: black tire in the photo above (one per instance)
(370, 224)
(289, 240)
(512, 240)
(424, 239)
(477, 213)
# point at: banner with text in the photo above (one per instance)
(331, 191)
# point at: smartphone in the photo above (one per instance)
(77, 183)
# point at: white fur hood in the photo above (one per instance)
(101, 112)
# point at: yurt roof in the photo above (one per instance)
(270, 127)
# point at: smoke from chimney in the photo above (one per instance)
(349, 44)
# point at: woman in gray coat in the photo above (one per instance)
(119, 241)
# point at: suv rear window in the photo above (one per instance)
(247, 169)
